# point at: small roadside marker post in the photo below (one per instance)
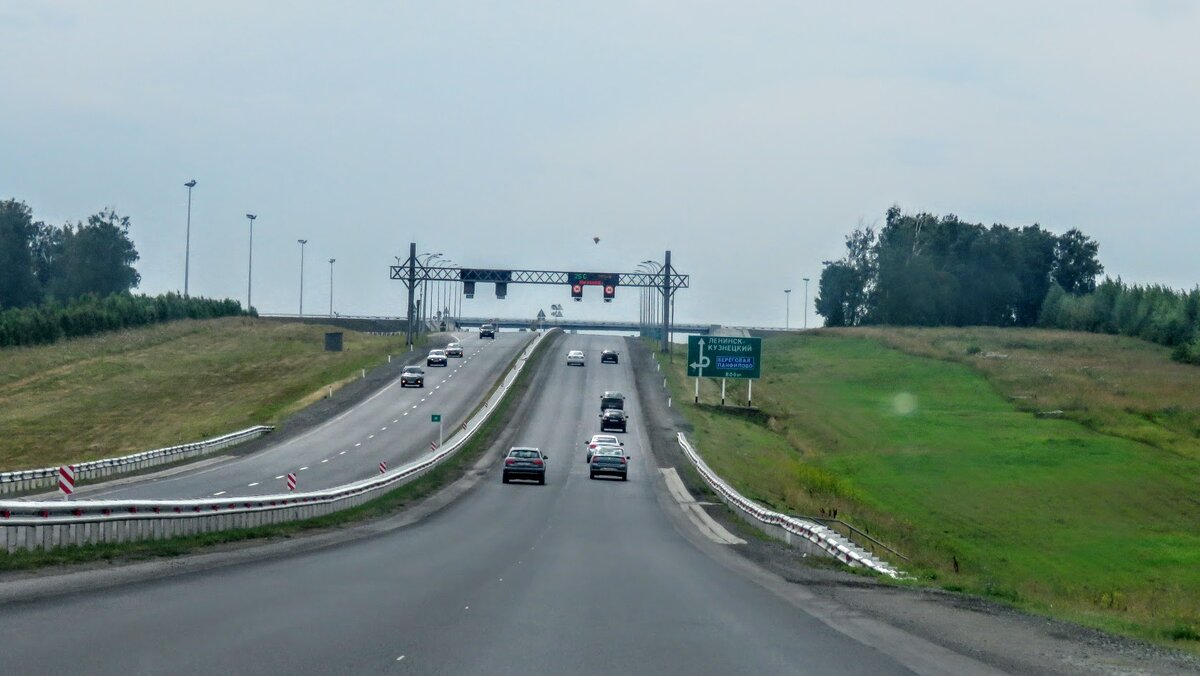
(291, 481)
(437, 418)
(382, 466)
(722, 391)
(66, 481)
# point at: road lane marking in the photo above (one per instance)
(303, 468)
(358, 444)
(252, 485)
(707, 526)
(414, 405)
(325, 460)
(218, 493)
(342, 453)
(406, 412)
(395, 421)
(382, 429)
(370, 436)
(279, 477)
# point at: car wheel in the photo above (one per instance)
(542, 481)
(504, 478)
(624, 477)
(591, 476)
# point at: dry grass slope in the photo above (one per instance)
(130, 391)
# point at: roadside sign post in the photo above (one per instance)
(725, 357)
(437, 418)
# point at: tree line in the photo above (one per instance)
(925, 270)
(41, 262)
(75, 280)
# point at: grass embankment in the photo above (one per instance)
(927, 439)
(135, 390)
(390, 503)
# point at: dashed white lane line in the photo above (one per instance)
(325, 460)
(382, 429)
(342, 453)
(370, 436)
(414, 405)
(303, 468)
(437, 387)
(395, 421)
(358, 444)
(398, 659)
(252, 485)
(406, 412)
(218, 493)
(422, 399)
(279, 477)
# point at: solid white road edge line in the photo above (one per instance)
(700, 518)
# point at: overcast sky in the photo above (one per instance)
(746, 137)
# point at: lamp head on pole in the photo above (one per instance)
(191, 183)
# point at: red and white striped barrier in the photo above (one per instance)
(433, 445)
(66, 480)
(291, 481)
(382, 466)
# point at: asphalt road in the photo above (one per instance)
(578, 576)
(392, 425)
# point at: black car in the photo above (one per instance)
(412, 375)
(612, 400)
(613, 419)
(525, 463)
(609, 462)
(487, 331)
(609, 357)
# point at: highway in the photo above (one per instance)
(392, 425)
(578, 576)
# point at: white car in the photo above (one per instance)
(575, 357)
(599, 440)
(436, 358)
(454, 350)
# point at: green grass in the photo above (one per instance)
(382, 506)
(131, 391)
(926, 451)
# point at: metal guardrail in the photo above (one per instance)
(825, 539)
(47, 477)
(52, 524)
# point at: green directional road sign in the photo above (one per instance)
(724, 357)
(436, 417)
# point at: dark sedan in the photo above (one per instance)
(525, 463)
(412, 376)
(613, 419)
(609, 357)
(609, 462)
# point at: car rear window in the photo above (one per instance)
(525, 454)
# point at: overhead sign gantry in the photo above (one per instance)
(666, 281)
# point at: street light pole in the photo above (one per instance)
(250, 267)
(806, 303)
(331, 262)
(302, 243)
(787, 317)
(187, 247)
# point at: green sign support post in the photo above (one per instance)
(725, 357)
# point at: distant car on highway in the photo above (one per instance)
(525, 463)
(487, 331)
(599, 440)
(436, 358)
(575, 358)
(613, 419)
(454, 350)
(609, 357)
(412, 376)
(609, 461)
(612, 400)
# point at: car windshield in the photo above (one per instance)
(437, 353)
(412, 369)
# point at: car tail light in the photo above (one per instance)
(622, 461)
(538, 463)
(509, 461)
